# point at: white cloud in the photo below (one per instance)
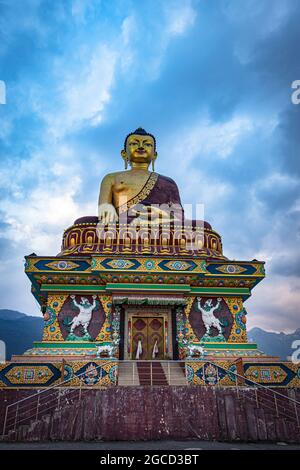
(36, 216)
(274, 304)
(208, 139)
(128, 28)
(84, 93)
(180, 17)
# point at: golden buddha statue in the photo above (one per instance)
(138, 195)
(131, 204)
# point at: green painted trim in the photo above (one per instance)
(72, 288)
(86, 345)
(145, 287)
(229, 345)
(251, 276)
(66, 344)
(149, 287)
(221, 290)
(48, 271)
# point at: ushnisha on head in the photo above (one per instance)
(139, 149)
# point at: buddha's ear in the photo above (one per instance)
(125, 158)
(153, 160)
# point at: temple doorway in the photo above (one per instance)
(148, 338)
(147, 333)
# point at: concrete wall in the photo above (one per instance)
(162, 412)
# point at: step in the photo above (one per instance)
(151, 373)
(128, 374)
(174, 373)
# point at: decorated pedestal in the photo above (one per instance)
(148, 297)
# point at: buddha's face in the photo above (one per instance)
(139, 149)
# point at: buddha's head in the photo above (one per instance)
(139, 148)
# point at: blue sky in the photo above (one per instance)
(211, 79)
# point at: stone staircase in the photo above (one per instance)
(175, 373)
(151, 373)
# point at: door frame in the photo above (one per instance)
(148, 311)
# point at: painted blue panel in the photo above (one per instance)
(213, 269)
(121, 264)
(290, 374)
(81, 265)
(30, 365)
(176, 265)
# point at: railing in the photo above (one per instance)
(264, 396)
(147, 372)
(50, 399)
(152, 373)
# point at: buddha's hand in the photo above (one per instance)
(107, 214)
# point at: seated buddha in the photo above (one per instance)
(132, 200)
(138, 195)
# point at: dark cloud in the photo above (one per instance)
(238, 59)
(287, 265)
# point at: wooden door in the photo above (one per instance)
(148, 337)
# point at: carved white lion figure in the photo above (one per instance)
(208, 317)
(85, 313)
(108, 349)
(193, 350)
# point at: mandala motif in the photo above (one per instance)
(62, 265)
(120, 264)
(178, 265)
(210, 374)
(231, 269)
(149, 264)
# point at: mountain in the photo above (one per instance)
(18, 331)
(274, 344)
